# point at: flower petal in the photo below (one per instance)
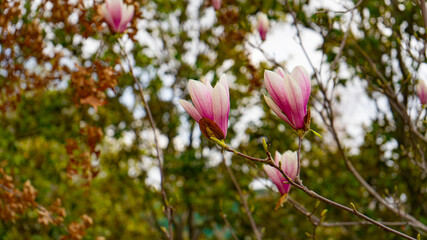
(202, 98)
(290, 164)
(294, 107)
(275, 87)
(216, 4)
(115, 9)
(277, 110)
(106, 14)
(421, 89)
(221, 107)
(262, 25)
(207, 84)
(280, 71)
(190, 109)
(224, 82)
(274, 177)
(127, 14)
(300, 74)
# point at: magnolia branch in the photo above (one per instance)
(298, 184)
(224, 216)
(168, 208)
(318, 221)
(243, 198)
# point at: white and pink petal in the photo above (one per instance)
(190, 109)
(277, 110)
(301, 76)
(221, 107)
(202, 98)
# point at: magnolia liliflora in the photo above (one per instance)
(262, 25)
(289, 165)
(211, 106)
(117, 14)
(289, 95)
(216, 4)
(422, 91)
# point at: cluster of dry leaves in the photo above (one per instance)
(80, 163)
(14, 203)
(23, 40)
(30, 63)
(91, 82)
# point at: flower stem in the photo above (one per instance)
(300, 136)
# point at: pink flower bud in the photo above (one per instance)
(422, 91)
(289, 95)
(216, 4)
(262, 25)
(211, 106)
(117, 14)
(289, 164)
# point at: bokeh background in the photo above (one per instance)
(77, 153)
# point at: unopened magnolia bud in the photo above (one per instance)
(216, 4)
(421, 89)
(262, 25)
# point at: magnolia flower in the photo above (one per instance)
(117, 14)
(289, 96)
(216, 4)
(211, 106)
(289, 164)
(262, 25)
(422, 91)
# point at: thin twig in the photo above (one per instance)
(299, 155)
(316, 220)
(328, 108)
(272, 60)
(243, 199)
(224, 216)
(346, 11)
(168, 208)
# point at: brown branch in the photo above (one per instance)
(272, 60)
(314, 195)
(243, 199)
(316, 220)
(334, 63)
(224, 216)
(389, 93)
(168, 208)
(299, 155)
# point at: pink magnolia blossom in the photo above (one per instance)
(117, 14)
(422, 91)
(216, 4)
(262, 25)
(289, 95)
(289, 164)
(211, 106)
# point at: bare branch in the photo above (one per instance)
(168, 208)
(243, 199)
